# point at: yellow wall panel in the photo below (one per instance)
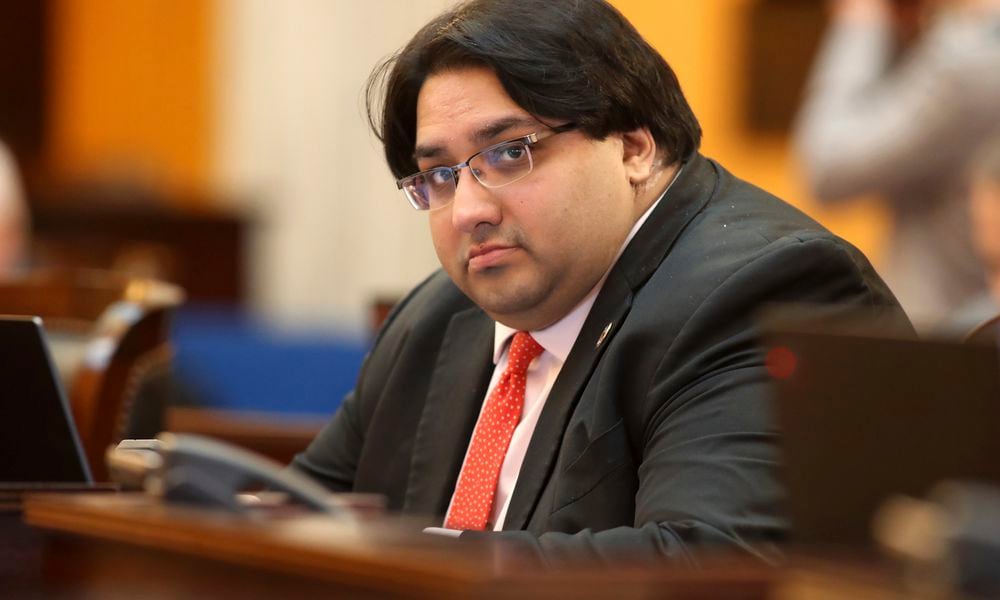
(129, 91)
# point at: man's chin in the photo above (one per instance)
(511, 295)
(507, 305)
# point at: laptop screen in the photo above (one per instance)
(38, 439)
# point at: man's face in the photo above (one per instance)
(528, 252)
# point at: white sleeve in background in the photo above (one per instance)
(865, 128)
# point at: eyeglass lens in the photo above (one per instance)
(493, 167)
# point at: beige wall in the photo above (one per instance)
(292, 141)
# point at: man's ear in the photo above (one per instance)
(638, 155)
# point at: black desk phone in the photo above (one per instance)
(199, 470)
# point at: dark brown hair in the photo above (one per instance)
(560, 60)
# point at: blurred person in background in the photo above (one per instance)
(13, 215)
(984, 213)
(903, 93)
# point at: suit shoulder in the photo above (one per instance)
(744, 229)
(739, 200)
(432, 301)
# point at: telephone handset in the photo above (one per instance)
(196, 469)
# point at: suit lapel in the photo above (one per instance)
(457, 388)
(608, 312)
(651, 244)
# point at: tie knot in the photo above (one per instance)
(523, 350)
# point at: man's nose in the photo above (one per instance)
(473, 204)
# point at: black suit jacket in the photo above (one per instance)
(654, 440)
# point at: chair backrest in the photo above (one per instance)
(107, 331)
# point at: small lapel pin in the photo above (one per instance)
(604, 334)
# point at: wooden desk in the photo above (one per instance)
(132, 546)
(129, 545)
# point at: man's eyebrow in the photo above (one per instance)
(483, 135)
(426, 152)
(490, 131)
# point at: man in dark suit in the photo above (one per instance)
(584, 376)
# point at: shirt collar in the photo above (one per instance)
(559, 337)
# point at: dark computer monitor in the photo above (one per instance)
(38, 439)
(866, 416)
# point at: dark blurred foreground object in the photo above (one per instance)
(866, 414)
(109, 337)
(950, 542)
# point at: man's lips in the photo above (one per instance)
(488, 255)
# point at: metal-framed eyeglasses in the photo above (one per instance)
(496, 166)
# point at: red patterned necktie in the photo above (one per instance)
(477, 484)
